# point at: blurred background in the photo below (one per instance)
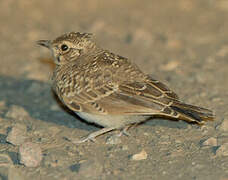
(180, 42)
(157, 35)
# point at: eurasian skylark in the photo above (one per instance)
(109, 90)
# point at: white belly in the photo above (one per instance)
(117, 121)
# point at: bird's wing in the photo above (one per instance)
(118, 87)
(132, 99)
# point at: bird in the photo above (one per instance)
(109, 90)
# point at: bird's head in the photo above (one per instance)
(68, 47)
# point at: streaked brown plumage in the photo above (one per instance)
(109, 90)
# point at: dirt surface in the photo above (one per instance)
(180, 42)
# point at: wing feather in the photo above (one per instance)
(112, 85)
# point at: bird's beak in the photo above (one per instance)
(45, 43)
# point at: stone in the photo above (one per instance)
(30, 154)
(17, 113)
(139, 156)
(170, 66)
(17, 134)
(210, 142)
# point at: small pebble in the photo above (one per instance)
(124, 148)
(146, 134)
(17, 112)
(30, 154)
(114, 139)
(210, 142)
(140, 156)
(222, 150)
(172, 65)
(17, 134)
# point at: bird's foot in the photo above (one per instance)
(85, 139)
(92, 136)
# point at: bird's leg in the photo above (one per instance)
(92, 136)
(124, 131)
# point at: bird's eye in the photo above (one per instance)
(64, 47)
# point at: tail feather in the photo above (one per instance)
(192, 113)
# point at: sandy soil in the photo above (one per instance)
(180, 42)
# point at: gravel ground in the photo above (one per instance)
(181, 42)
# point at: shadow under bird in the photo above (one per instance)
(109, 90)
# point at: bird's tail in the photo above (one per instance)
(192, 113)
